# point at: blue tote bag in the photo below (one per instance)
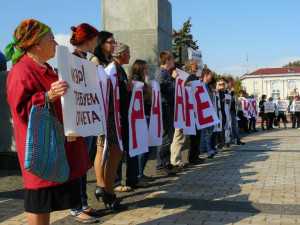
(45, 154)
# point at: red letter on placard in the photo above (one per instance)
(179, 99)
(136, 114)
(188, 108)
(117, 110)
(157, 111)
(201, 106)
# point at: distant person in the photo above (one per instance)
(234, 112)
(270, 113)
(281, 115)
(262, 114)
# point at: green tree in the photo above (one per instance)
(183, 39)
(292, 64)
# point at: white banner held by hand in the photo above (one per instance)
(179, 112)
(82, 109)
(111, 71)
(206, 115)
(155, 124)
(190, 123)
(138, 129)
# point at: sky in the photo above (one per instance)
(235, 36)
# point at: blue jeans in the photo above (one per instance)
(206, 138)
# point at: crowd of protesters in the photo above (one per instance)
(31, 81)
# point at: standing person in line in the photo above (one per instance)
(166, 78)
(262, 113)
(243, 122)
(192, 68)
(221, 88)
(233, 112)
(85, 38)
(252, 119)
(281, 115)
(206, 133)
(271, 115)
(296, 123)
(292, 112)
(32, 82)
(139, 72)
(121, 56)
(106, 168)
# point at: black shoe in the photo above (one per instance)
(99, 192)
(197, 161)
(111, 202)
(240, 143)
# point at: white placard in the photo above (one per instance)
(81, 106)
(269, 107)
(206, 115)
(155, 124)
(190, 122)
(138, 129)
(282, 105)
(179, 112)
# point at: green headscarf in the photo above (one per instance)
(27, 34)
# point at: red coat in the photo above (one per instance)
(27, 83)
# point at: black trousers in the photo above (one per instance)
(164, 151)
(194, 149)
(270, 117)
(296, 120)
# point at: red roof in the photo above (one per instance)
(272, 71)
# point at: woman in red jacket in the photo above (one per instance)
(29, 81)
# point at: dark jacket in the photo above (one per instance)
(124, 105)
(167, 88)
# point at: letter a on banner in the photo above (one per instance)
(111, 71)
(179, 113)
(156, 124)
(138, 129)
(190, 123)
(206, 115)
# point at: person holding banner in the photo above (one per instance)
(252, 113)
(192, 68)
(219, 137)
(85, 38)
(206, 133)
(106, 165)
(296, 109)
(139, 72)
(233, 112)
(282, 107)
(166, 78)
(121, 56)
(262, 113)
(32, 82)
(270, 108)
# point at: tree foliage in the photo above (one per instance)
(182, 39)
(292, 64)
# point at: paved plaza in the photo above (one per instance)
(258, 183)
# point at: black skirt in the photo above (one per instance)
(46, 200)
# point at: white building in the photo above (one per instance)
(273, 82)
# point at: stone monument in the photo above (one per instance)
(145, 25)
